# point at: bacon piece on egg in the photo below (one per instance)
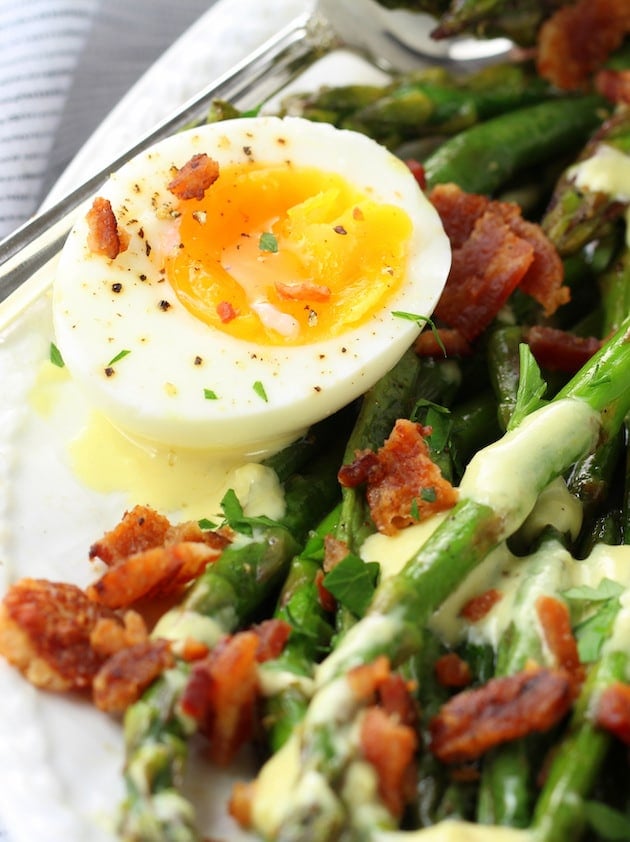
(404, 485)
(104, 236)
(195, 177)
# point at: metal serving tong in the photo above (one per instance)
(386, 39)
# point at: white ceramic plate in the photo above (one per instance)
(60, 760)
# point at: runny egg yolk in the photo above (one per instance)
(287, 255)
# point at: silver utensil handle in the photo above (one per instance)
(250, 82)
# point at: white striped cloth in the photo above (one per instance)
(63, 65)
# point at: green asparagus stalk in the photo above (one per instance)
(507, 785)
(577, 215)
(483, 158)
(225, 597)
(292, 671)
(559, 812)
(541, 448)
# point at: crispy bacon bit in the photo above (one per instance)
(226, 312)
(140, 529)
(222, 691)
(494, 251)
(543, 280)
(559, 350)
(195, 177)
(335, 550)
(365, 679)
(394, 696)
(302, 291)
(477, 607)
(221, 694)
(153, 573)
(504, 709)
(555, 620)
(123, 676)
(45, 630)
(417, 170)
(405, 485)
(614, 85)
(449, 342)
(390, 747)
(104, 236)
(192, 650)
(452, 671)
(613, 711)
(272, 637)
(109, 635)
(324, 596)
(357, 472)
(241, 803)
(576, 40)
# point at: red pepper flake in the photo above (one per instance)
(226, 311)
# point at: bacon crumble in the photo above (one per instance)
(104, 235)
(504, 709)
(404, 485)
(195, 177)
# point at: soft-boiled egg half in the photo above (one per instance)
(256, 283)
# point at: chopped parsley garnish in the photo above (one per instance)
(428, 495)
(236, 518)
(608, 823)
(119, 356)
(268, 242)
(421, 321)
(55, 356)
(352, 582)
(260, 390)
(595, 631)
(210, 395)
(531, 387)
(437, 417)
(606, 589)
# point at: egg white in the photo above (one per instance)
(156, 390)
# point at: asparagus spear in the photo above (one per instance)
(576, 214)
(506, 787)
(247, 573)
(542, 447)
(576, 764)
(483, 158)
